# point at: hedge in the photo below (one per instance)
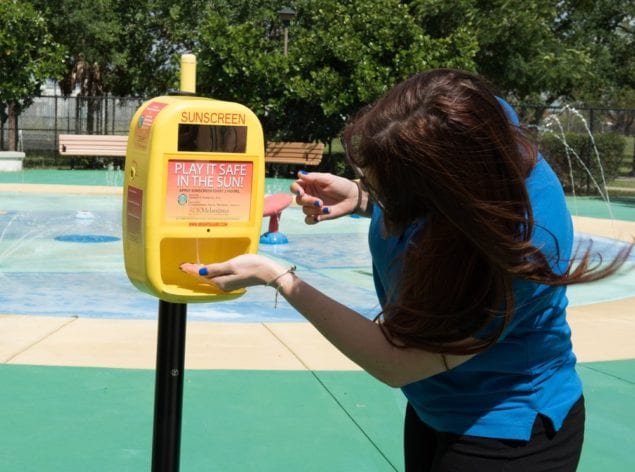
(574, 155)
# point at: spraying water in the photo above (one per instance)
(554, 121)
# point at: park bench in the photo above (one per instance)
(309, 154)
(115, 145)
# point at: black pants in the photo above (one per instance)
(547, 450)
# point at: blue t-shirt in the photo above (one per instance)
(531, 368)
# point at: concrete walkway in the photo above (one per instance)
(601, 332)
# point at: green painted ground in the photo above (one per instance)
(620, 208)
(79, 419)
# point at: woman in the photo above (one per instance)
(471, 244)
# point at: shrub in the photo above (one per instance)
(575, 156)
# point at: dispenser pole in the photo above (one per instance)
(168, 390)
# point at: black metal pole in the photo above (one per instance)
(590, 154)
(168, 393)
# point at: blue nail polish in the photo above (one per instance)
(317, 203)
(326, 210)
(202, 271)
(304, 172)
(298, 193)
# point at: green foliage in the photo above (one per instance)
(28, 54)
(239, 54)
(143, 62)
(341, 56)
(157, 34)
(89, 32)
(581, 166)
(607, 28)
(347, 54)
(540, 51)
(524, 53)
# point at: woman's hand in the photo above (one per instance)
(325, 196)
(242, 271)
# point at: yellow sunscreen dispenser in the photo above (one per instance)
(193, 192)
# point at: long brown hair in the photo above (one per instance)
(439, 146)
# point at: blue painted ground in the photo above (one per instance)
(44, 273)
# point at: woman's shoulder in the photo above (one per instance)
(553, 227)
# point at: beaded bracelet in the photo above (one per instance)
(290, 270)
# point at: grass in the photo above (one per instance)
(624, 182)
(626, 169)
(622, 187)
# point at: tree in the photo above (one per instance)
(89, 32)
(239, 50)
(525, 49)
(607, 27)
(28, 57)
(341, 56)
(152, 36)
(548, 51)
(347, 54)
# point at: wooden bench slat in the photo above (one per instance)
(115, 145)
(294, 153)
(92, 145)
(294, 145)
(308, 160)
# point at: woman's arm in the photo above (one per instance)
(358, 338)
(362, 340)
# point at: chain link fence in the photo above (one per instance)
(40, 125)
(49, 116)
